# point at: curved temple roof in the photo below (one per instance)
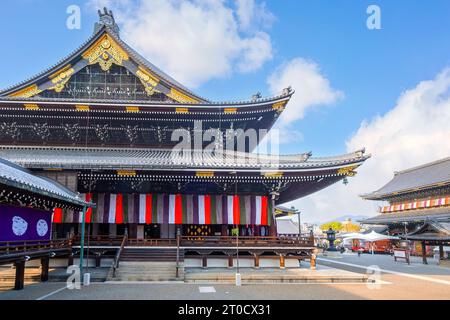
(430, 175)
(160, 159)
(15, 176)
(106, 47)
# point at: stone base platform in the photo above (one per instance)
(273, 275)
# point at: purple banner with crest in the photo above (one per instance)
(17, 224)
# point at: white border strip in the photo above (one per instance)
(414, 276)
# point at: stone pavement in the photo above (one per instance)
(386, 262)
(432, 282)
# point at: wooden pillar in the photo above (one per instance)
(98, 260)
(256, 257)
(45, 262)
(204, 261)
(424, 253)
(224, 230)
(230, 261)
(441, 252)
(273, 225)
(70, 260)
(20, 275)
(282, 261)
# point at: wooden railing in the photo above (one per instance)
(99, 240)
(153, 242)
(10, 247)
(117, 257)
(186, 241)
(244, 241)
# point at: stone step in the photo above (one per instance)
(31, 274)
(146, 271)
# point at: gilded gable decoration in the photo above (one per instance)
(149, 81)
(105, 52)
(27, 92)
(60, 78)
(180, 97)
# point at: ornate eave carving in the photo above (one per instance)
(148, 80)
(60, 78)
(348, 171)
(180, 97)
(27, 92)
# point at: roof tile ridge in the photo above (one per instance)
(422, 166)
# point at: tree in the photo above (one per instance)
(350, 227)
(335, 225)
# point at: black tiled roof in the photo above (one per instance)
(432, 231)
(423, 177)
(14, 176)
(143, 159)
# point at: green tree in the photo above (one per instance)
(335, 225)
(350, 227)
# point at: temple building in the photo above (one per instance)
(102, 122)
(414, 200)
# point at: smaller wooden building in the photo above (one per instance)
(27, 202)
(431, 233)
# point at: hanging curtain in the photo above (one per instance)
(172, 209)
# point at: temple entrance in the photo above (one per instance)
(152, 231)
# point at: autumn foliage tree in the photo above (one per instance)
(335, 225)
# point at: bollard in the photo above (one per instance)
(86, 279)
(238, 280)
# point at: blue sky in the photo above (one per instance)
(372, 68)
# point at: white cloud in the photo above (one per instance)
(198, 40)
(414, 132)
(252, 14)
(312, 89)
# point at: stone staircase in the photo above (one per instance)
(148, 264)
(147, 271)
(151, 254)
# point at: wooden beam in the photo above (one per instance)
(45, 262)
(441, 252)
(20, 275)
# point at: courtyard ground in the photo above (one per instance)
(394, 280)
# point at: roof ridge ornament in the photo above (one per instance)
(106, 18)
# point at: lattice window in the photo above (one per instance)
(117, 83)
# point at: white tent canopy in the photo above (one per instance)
(370, 237)
(348, 235)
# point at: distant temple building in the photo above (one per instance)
(102, 121)
(417, 198)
